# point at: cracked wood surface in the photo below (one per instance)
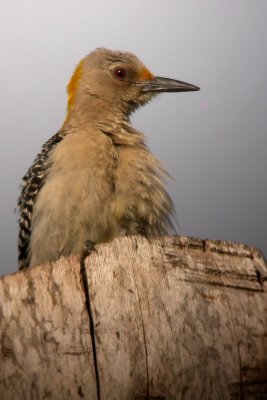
(174, 318)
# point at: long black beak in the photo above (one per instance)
(159, 84)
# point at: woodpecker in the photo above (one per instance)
(96, 178)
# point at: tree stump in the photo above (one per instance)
(174, 318)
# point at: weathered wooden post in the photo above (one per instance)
(175, 318)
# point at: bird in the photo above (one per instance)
(96, 178)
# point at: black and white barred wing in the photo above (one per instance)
(31, 186)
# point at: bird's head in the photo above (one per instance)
(118, 80)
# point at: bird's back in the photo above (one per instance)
(32, 183)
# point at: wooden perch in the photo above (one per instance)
(177, 318)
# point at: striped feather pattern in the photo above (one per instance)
(31, 186)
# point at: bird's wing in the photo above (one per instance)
(31, 185)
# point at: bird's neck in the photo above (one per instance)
(91, 110)
(111, 119)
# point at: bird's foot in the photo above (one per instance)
(89, 247)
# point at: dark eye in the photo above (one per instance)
(120, 73)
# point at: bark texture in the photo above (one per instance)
(174, 318)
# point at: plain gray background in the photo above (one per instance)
(213, 142)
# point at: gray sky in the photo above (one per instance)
(214, 142)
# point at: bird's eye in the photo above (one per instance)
(121, 74)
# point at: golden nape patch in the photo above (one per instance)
(145, 75)
(73, 84)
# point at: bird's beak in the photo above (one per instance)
(159, 84)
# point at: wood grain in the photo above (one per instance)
(174, 318)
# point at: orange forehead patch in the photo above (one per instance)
(73, 84)
(145, 75)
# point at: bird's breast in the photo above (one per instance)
(141, 201)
